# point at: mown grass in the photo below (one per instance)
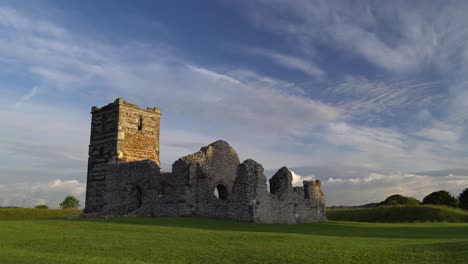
(195, 240)
(34, 213)
(404, 213)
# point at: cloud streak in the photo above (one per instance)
(376, 187)
(291, 62)
(410, 42)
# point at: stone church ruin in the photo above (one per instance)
(124, 176)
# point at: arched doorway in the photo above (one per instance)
(136, 197)
(220, 192)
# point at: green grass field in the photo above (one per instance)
(194, 240)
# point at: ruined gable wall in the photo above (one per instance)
(313, 191)
(249, 188)
(248, 198)
(283, 204)
(211, 167)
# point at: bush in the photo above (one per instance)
(397, 199)
(70, 202)
(41, 206)
(463, 198)
(441, 198)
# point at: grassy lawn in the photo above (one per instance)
(194, 240)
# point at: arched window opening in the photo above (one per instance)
(140, 123)
(103, 123)
(101, 151)
(220, 192)
(163, 187)
(137, 197)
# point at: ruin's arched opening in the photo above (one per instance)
(220, 192)
(137, 197)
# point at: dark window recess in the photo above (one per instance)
(137, 197)
(103, 123)
(140, 123)
(163, 187)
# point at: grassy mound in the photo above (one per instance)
(195, 240)
(35, 213)
(395, 214)
(398, 199)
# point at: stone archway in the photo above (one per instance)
(221, 192)
(136, 197)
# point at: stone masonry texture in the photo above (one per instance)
(124, 177)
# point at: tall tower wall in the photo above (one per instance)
(120, 132)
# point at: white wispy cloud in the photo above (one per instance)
(290, 62)
(376, 187)
(11, 18)
(365, 138)
(391, 149)
(409, 39)
(220, 96)
(442, 132)
(408, 44)
(374, 101)
(297, 180)
(240, 101)
(42, 142)
(67, 63)
(27, 96)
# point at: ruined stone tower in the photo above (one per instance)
(120, 132)
(125, 178)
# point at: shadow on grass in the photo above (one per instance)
(332, 228)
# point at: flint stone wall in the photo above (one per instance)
(140, 188)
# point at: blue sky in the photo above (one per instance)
(369, 96)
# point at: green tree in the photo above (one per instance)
(41, 206)
(398, 199)
(70, 202)
(441, 198)
(463, 198)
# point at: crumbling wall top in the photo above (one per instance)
(218, 156)
(121, 102)
(281, 182)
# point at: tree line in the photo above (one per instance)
(441, 197)
(70, 202)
